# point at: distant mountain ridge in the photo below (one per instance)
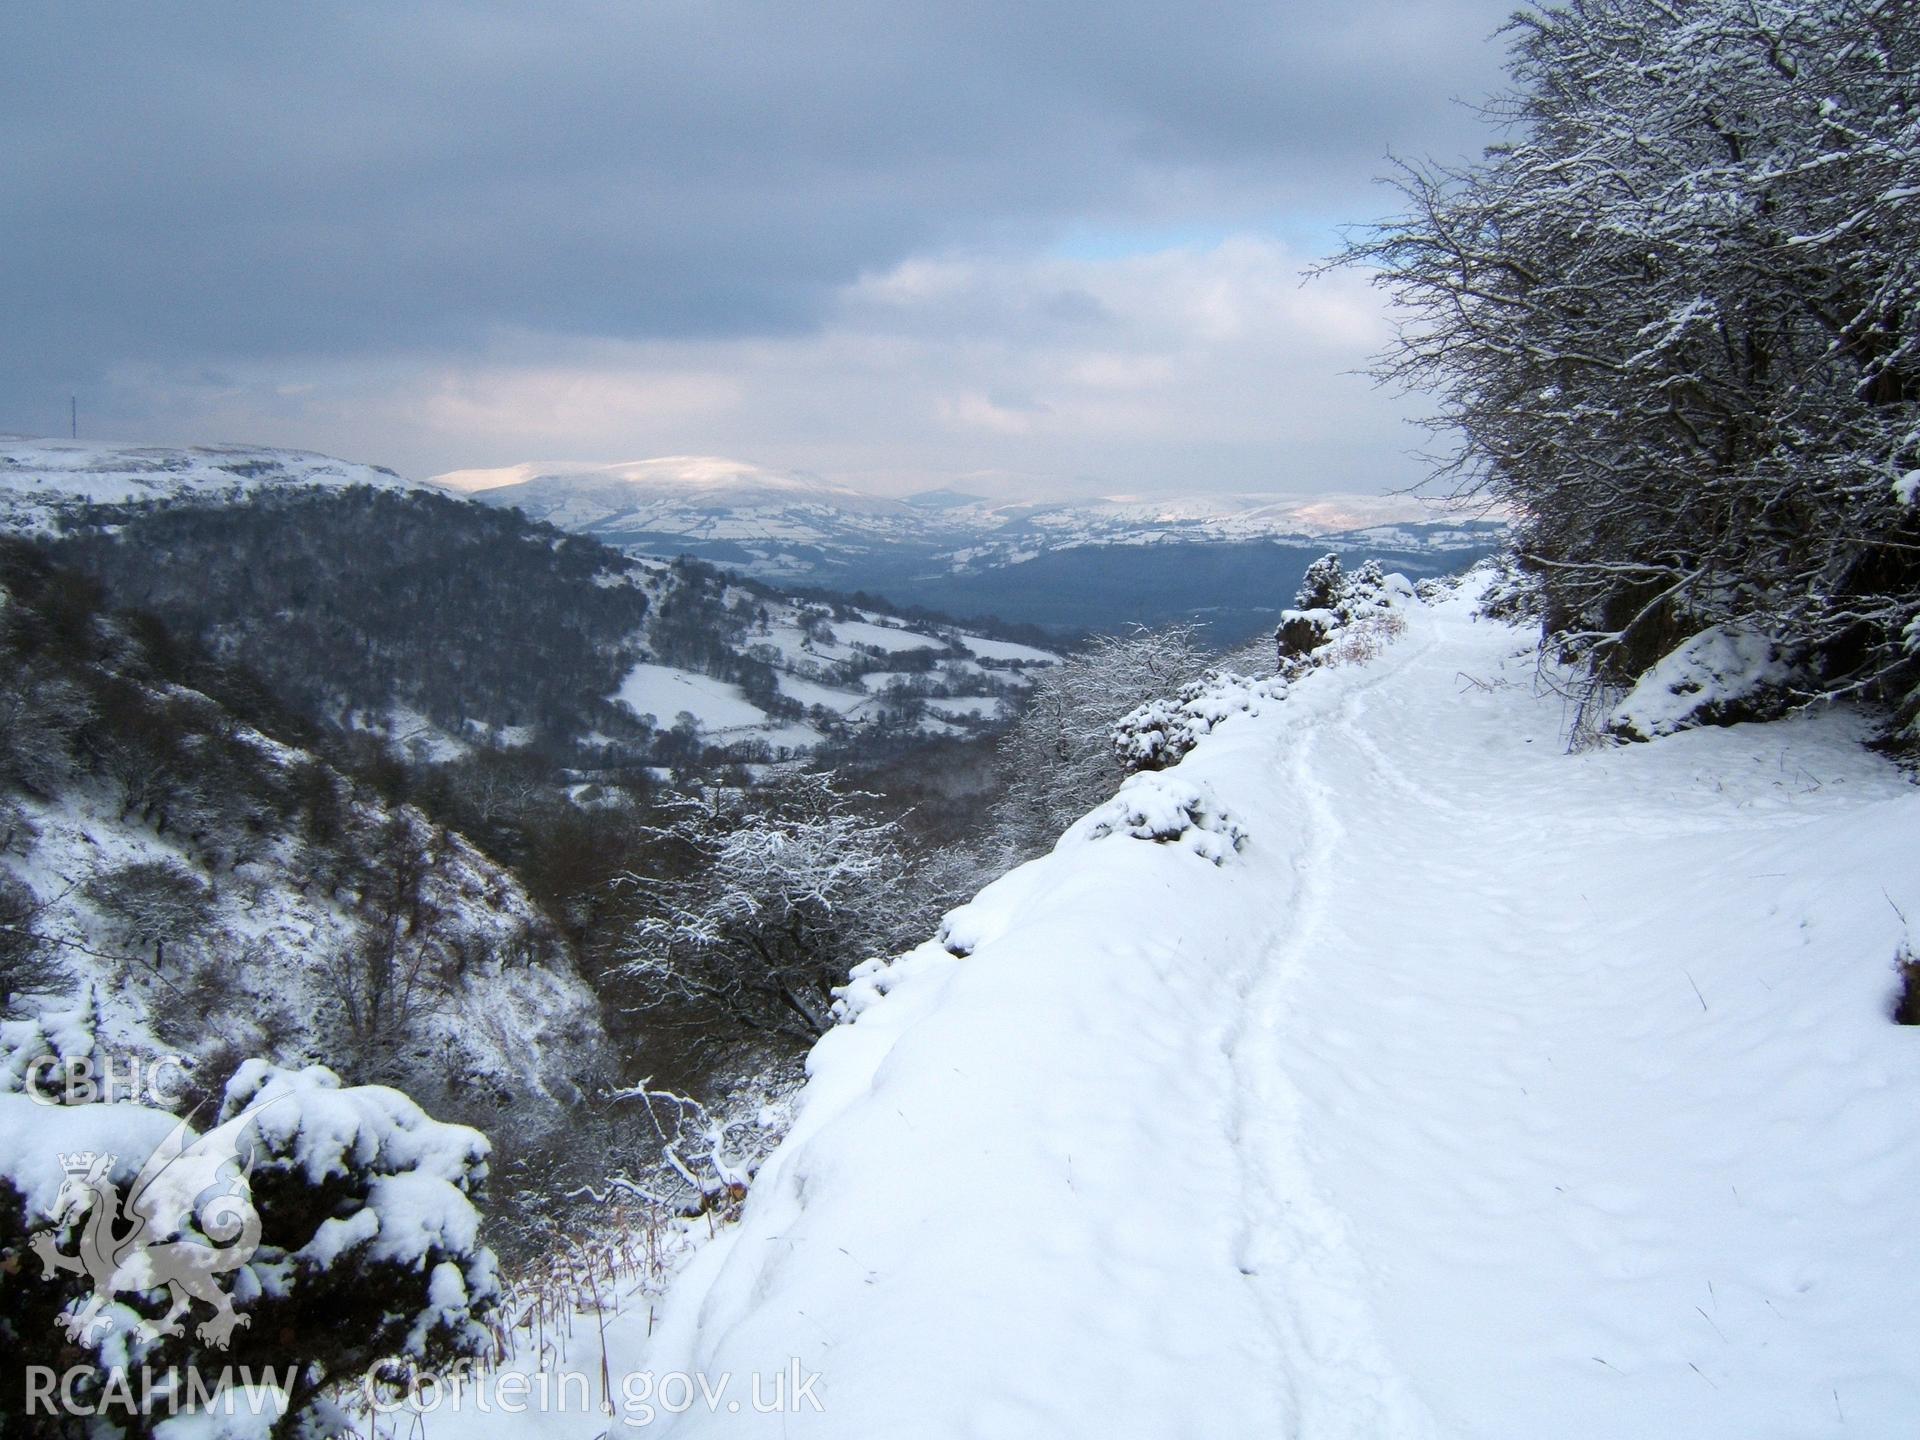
(769, 512)
(1067, 564)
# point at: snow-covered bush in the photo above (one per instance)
(1673, 321)
(1358, 606)
(1167, 810)
(152, 903)
(1906, 1005)
(1360, 641)
(1059, 755)
(339, 1224)
(699, 1159)
(1508, 591)
(1159, 733)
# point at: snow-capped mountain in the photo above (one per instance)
(41, 479)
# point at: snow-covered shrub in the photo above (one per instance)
(1159, 733)
(1906, 1004)
(702, 1158)
(1508, 591)
(1360, 641)
(1332, 602)
(152, 903)
(350, 1218)
(1723, 675)
(1167, 810)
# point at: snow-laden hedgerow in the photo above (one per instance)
(1673, 321)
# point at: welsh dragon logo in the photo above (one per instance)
(143, 1242)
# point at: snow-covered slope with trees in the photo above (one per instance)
(1380, 1069)
(197, 886)
(359, 598)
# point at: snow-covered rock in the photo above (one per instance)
(1724, 673)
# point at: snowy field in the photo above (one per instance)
(664, 692)
(1487, 1091)
(1006, 650)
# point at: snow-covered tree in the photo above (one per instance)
(152, 902)
(29, 963)
(1059, 754)
(765, 901)
(1673, 319)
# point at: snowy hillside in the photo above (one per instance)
(361, 599)
(822, 672)
(1423, 1080)
(216, 892)
(41, 479)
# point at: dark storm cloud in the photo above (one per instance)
(245, 179)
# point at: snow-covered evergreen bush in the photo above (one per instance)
(1333, 602)
(354, 1230)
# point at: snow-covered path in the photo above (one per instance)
(1601, 1077)
(1488, 1091)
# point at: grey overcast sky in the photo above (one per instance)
(1019, 246)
